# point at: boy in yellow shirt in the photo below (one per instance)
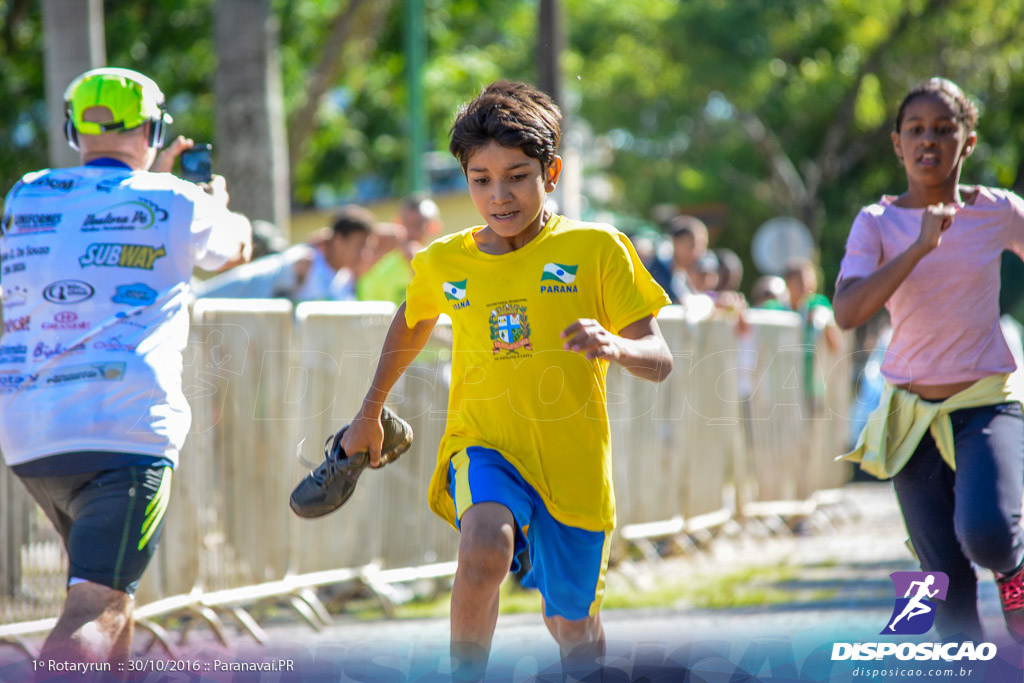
(540, 305)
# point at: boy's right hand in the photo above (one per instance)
(936, 219)
(365, 433)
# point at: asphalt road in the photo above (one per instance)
(846, 555)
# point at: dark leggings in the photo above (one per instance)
(969, 516)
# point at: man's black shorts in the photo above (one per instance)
(110, 520)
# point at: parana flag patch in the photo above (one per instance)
(454, 291)
(559, 273)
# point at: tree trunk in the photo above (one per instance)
(74, 42)
(250, 147)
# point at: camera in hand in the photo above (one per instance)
(196, 165)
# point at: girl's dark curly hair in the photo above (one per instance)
(964, 110)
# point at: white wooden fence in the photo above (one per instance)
(732, 427)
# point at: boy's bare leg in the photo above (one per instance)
(581, 642)
(95, 626)
(485, 555)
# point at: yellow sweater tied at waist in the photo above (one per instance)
(895, 428)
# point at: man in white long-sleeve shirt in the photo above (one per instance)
(92, 413)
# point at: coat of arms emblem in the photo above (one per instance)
(510, 329)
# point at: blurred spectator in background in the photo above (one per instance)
(422, 220)
(704, 275)
(769, 291)
(727, 294)
(689, 244)
(419, 223)
(387, 270)
(815, 308)
(329, 270)
(646, 245)
(818, 324)
(730, 270)
(266, 239)
(322, 269)
(383, 239)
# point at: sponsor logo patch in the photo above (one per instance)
(108, 184)
(22, 324)
(9, 257)
(139, 214)
(13, 353)
(137, 294)
(126, 319)
(51, 182)
(68, 292)
(10, 382)
(44, 351)
(113, 344)
(66, 320)
(33, 223)
(14, 296)
(91, 372)
(121, 255)
(48, 184)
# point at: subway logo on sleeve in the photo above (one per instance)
(121, 255)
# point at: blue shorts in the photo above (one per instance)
(568, 563)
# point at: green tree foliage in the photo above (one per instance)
(167, 39)
(764, 107)
(23, 116)
(784, 107)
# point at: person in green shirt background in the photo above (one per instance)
(819, 322)
(419, 223)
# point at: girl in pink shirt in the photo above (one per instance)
(931, 256)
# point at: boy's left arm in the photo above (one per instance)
(639, 346)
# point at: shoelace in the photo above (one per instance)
(317, 469)
(331, 464)
(326, 470)
(1011, 593)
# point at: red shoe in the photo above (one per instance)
(1011, 595)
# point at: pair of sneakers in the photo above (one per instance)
(326, 488)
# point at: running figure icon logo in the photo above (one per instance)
(914, 612)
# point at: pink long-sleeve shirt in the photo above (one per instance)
(945, 314)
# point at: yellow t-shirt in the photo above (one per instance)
(513, 387)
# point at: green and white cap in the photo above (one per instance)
(131, 97)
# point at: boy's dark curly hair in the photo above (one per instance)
(512, 114)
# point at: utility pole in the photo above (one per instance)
(550, 45)
(415, 56)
